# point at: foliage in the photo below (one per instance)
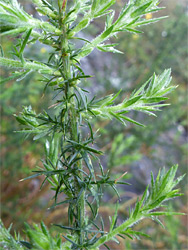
(70, 155)
(6, 239)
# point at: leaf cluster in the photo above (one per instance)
(39, 124)
(158, 192)
(14, 20)
(7, 241)
(149, 98)
(131, 17)
(40, 238)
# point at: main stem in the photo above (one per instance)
(74, 126)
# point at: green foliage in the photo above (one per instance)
(14, 20)
(153, 197)
(7, 241)
(146, 99)
(40, 238)
(131, 16)
(70, 155)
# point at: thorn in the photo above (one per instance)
(53, 105)
(120, 177)
(64, 4)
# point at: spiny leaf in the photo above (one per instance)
(25, 41)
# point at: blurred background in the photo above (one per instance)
(131, 149)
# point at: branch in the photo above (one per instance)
(34, 66)
(149, 98)
(154, 196)
(97, 9)
(131, 17)
(13, 19)
(44, 8)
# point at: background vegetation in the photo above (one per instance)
(132, 149)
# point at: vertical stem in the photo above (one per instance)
(80, 206)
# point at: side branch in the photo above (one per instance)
(34, 66)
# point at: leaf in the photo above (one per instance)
(136, 209)
(134, 233)
(74, 244)
(134, 31)
(26, 244)
(25, 41)
(158, 221)
(131, 120)
(94, 6)
(66, 227)
(82, 25)
(88, 163)
(125, 10)
(153, 20)
(30, 177)
(20, 120)
(114, 218)
(102, 8)
(90, 149)
(131, 101)
(44, 229)
(83, 97)
(91, 131)
(140, 10)
(106, 33)
(62, 202)
(144, 196)
(108, 48)
(158, 213)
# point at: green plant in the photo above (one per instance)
(69, 137)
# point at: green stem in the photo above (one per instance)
(128, 223)
(80, 206)
(35, 66)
